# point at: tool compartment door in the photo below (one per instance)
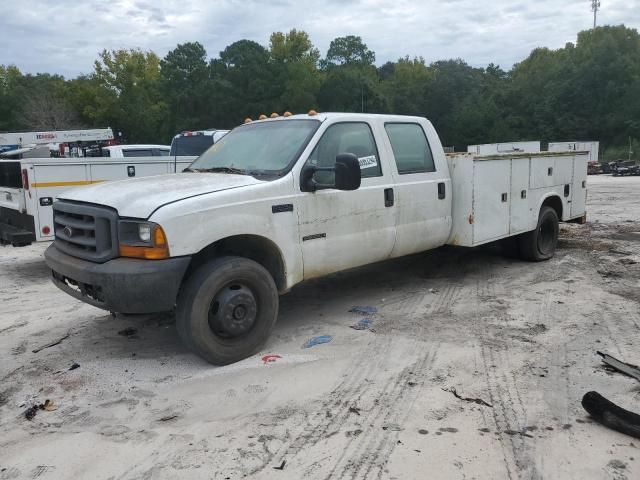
(491, 199)
(103, 171)
(520, 214)
(579, 187)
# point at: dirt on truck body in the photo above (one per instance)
(393, 398)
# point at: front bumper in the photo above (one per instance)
(124, 285)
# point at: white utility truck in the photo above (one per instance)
(283, 200)
(28, 188)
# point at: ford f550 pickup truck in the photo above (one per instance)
(287, 199)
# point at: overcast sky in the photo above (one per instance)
(64, 36)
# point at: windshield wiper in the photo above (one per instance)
(222, 170)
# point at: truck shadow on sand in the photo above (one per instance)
(310, 305)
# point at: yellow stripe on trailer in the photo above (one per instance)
(77, 183)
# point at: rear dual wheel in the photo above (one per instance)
(227, 309)
(540, 244)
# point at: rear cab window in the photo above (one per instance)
(348, 137)
(137, 153)
(411, 149)
(190, 145)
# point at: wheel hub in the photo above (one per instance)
(233, 311)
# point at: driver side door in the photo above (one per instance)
(346, 229)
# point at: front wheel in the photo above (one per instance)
(540, 244)
(227, 309)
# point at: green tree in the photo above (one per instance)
(9, 101)
(245, 83)
(295, 62)
(349, 50)
(186, 84)
(129, 96)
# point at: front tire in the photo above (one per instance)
(540, 244)
(227, 309)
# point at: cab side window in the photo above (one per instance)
(410, 148)
(352, 137)
(137, 153)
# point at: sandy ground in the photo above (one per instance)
(369, 404)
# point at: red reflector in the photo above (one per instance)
(45, 230)
(25, 179)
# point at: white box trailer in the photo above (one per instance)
(496, 196)
(28, 188)
(584, 146)
(506, 147)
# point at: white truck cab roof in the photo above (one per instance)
(139, 150)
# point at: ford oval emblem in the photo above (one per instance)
(68, 231)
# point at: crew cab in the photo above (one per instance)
(280, 201)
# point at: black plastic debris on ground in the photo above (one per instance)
(74, 366)
(281, 467)
(611, 415)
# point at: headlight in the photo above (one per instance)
(140, 239)
(144, 232)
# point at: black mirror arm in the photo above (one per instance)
(309, 184)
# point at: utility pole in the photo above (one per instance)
(595, 6)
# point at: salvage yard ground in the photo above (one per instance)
(372, 403)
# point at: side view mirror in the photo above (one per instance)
(347, 174)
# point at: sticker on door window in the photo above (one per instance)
(368, 162)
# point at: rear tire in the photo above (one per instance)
(540, 244)
(227, 309)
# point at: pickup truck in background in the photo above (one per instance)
(279, 201)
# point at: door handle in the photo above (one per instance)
(388, 197)
(441, 191)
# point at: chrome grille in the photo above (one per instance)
(85, 231)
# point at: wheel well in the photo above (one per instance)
(256, 248)
(555, 203)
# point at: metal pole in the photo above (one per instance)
(595, 5)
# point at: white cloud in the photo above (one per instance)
(65, 36)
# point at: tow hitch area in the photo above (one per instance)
(18, 237)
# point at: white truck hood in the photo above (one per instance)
(140, 197)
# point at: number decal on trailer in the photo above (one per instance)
(368, 162)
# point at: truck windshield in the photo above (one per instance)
(265, 148)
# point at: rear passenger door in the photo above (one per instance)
(423, 194)
(345, 229)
